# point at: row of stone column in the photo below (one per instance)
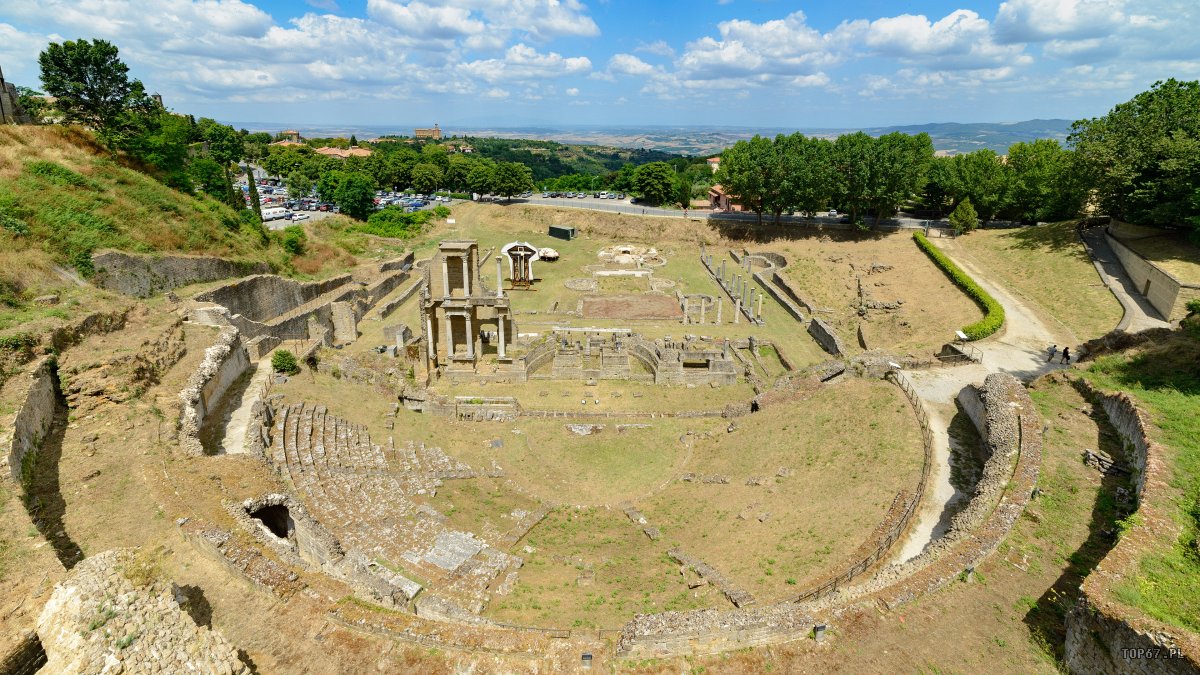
(739, 287)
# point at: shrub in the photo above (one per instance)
(993, 317)
(294, 239)
(964, 218)
(1193, 306)
(441, 211)
(283, 361)
(394, 222)
(13, 225)
(57, 174)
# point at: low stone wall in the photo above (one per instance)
(404, 263)
(223, 364)
(144, 628)
(394, 303)
(261, 298)
(1167, 294)
(709, 631)
(22, 435)
(1104, 635)
(825, 336)
(144, 275)
(27, 656)
(1013, 441)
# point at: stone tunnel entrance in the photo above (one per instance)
(276, 519)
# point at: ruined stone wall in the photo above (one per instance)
(142, 628)
(402, 298)
(22, 435)
(1102, 633)
(384, 285)
(404, 263)
(224, 362)
(144, 275)
(791, 291)
(26, 657)
(710, 631)
(825, 336)
(1014, 442)
(264, 297)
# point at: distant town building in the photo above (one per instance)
(434, 134)
(714, 163)
(720, 200)
(290, 135)
(463, 148)
(343, 153)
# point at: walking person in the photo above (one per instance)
(1066, 355)
(1052, 352)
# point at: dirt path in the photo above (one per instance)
(234, 442)
(1139, 313)
(1019, 349)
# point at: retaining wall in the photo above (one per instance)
(1103, 635)
(144, 275)
(1167, 294)
(264, 297)
(224, 362)
(38, 393)
(825, 336)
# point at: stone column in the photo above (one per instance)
(760, 296)
(429, 335)
(470, 337)
(445, 277)
(466, 276)
(499, 280)
(737, 311)
(720, 305)
(500, 324)
(686, 304)
(703, 307)
(449, 337)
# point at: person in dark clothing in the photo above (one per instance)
(1053, 350)
(1066, 355)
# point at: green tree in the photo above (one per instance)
(206, 175)
(456, 173)
(226, 146)
(91, 86)
(511, 178)
(852, 161)
(160, 140)
(480, 180)
(900, 163)
(436, 155)
(1143, 157)
(964, 219)
(299, 185)
(746, 169)
(355, 195)
(426, 177)
(655, 181)
(252, 193)
(353, 141)
(1044, 183)
(981, 177)
(34, 104)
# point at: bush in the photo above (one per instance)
(294, 239)
(441, 211)
(283, 361)
(13, 225)
(993, 313)
(394, 222)
(1193, 306)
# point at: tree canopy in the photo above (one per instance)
(92, 87)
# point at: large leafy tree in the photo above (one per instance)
(981, 177)
(355, 195)
(511, 178)
(655, 181)
(852, 162)
(900, 165)
(1143, 157)
(1044, 183)
(426, 177)
(746, 173)
(481, 179)
(91, 86)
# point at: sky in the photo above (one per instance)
(746, 63)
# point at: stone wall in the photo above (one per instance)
(1103, 634)
(144, 275)
(264, 297)
(710, 631)
(26, 658)
(825, 336)
(1167, 294)
(1013, 441)
(391, 305)
(224, 362)
(142, 627)
(22, 435)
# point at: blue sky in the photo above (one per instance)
(761, 63)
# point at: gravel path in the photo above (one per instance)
(1139, 314)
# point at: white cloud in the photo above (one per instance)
(961, 40)
(658, 48)
(628, 64)
(572, 91)
(418, 17)
(524, 63)
(1041, 20)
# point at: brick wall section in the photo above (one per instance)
(1099, 627)
(144, 275)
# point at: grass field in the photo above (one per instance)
(1048, 265)
(827, 270)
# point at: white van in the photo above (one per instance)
(275, 213)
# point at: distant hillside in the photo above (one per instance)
(550, 159)
(956, 138)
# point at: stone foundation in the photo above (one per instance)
(144, 275)
(223, 364)
(22, 436)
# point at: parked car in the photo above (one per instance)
(300, 216)
(833, 213)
